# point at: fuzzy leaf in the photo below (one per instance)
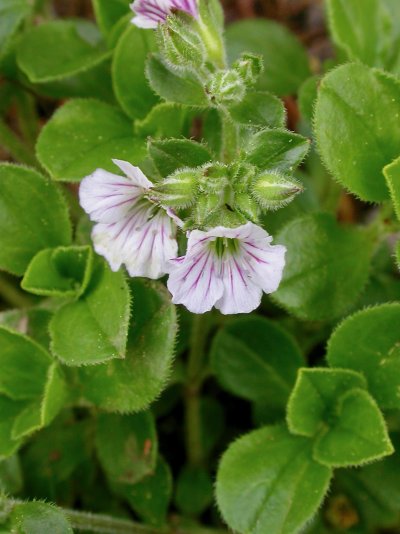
(109, 12)
(12, 14)
(268, 482)
(84, 135)
(259, 109)
(33, 216)
(172, 154)
(327, 266)
(369, 342)
(392, 175)
(38, 518)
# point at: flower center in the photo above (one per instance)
(225, 245)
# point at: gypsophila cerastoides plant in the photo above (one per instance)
(199, 254)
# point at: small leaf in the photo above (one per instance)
(357, 436)
(172, 154)
(276, 149)
(313, 399)
(362, 31)
(194, 491)
(285, 60)
(38, 518)
(12, 14)
(84, 135)
(60, 49)
(327, 266)
(357, 136)
(183, 88)
(131, 454)
(150, 497)
(259, 109)
(268, 482)
(255, 359)
(392, 175)
(63, 271)
(133, 383)
(376, 353)
(130, 83)
(33, 216)
(99, 319)
(109, 12)
(164, 120)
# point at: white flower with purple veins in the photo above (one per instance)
(228, 268)
(130, 228)
(149, 13)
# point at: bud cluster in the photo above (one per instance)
(228, 195)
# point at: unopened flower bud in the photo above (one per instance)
(205, 206)
(226, 87)
(215, 178)
(179, 190)
(273, 190)
(249, 67)
(180, 45)
(247, 206)
(242, 176)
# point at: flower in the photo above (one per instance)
(149, 13)
(228, 268)
(130, 229)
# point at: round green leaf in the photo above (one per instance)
(369, 342)
(268, 482)
(99, 319)
(255, 359)
(85, 135)
(285, 60)
(357, 126)
(326, 268)
(33, 216)
(59, 49)
(133, 383)
(130, 83)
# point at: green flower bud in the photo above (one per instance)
(226, 87)
(249, 67)
(179, 190)
(215, 178)
(205, 206)
(273, 190)
(247, 206)
(243, 175)
(179, 44)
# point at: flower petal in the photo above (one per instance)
(107, 197)
(134, 173)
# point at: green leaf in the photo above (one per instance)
(181, 88)
(172, 154)
(11, 481)
(255, 359)
(307, 97)
(9, 410)
(133, 383)
(38, 518)
(33, 216)
(62, 271)
(150, 497)
(361, 30)
(259, 109)
(34, 322)
(392, 175)
(131, 454)
(285, 60)
(59, 49)
(357, 136)
(268, 482)
(276, 149)
(109, 12)
(326, 268)
(12, 14)
(194, 490)
(84, 135)
(313, 399)
(99, 319)
(376, 352)
(164, 120)
(23, 366)
(357, 436)
(129, 80)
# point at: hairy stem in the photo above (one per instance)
(229, 137)
(194, 378)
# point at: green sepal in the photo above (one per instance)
(179, 190)
(226, 87)
(273, 190)
(59, 272)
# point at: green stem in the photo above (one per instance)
(194, 379)
(12, 295)
(230, 137)
(15, 147)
